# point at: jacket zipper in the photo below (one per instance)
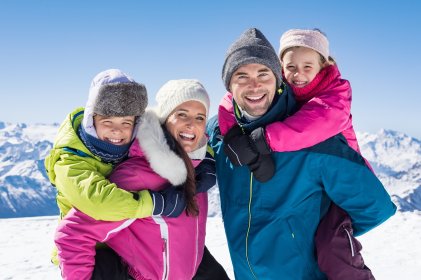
(197, 244)
(165, 250)
(351, 244)
(249, 225)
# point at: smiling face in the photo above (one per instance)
(187, 123)
(253, 87)
(301, 65)
(114, 130)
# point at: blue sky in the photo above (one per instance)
(50, 50)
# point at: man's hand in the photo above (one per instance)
(170, 202)
(239, 148)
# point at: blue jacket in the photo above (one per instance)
(270, 226)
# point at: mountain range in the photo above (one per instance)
(26, 192)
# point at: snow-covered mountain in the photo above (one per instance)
(25, 190)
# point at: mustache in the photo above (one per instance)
(259, 91)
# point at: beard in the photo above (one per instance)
(256, 110)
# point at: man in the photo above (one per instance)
(272, 202)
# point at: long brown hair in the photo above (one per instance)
(190, 184)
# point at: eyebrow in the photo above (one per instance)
(185, 110)
(265, 69)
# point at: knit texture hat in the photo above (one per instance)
(113, 93)
(251, 47)
(175, 92)
(313, 39)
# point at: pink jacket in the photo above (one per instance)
(155, 247)
(325, 114)
(160, 247)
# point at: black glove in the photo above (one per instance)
(239, 147)
(264, 167)
(252, 150)
(170, 202)
(205, 174)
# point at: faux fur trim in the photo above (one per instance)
(121, 99)
(162, 159)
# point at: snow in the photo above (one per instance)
(390, 250)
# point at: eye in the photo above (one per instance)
(200, 118)
(127, 124)
(182, 115)
(290, 67)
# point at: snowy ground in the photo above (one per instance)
(392, 251)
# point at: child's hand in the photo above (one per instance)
(205, 174)
(239, 147)
(170, 202)
(251, 150)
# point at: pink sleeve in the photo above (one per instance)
(135, 174)
(317, 120)
(226, 118)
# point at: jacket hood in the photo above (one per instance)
(162, 159)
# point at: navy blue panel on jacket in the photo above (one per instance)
(270, 226)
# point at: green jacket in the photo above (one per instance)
(81, 179)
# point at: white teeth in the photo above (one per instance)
(187, 135)
(255, 97)
(114, 140)
(299, 83)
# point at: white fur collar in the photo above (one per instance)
(161, 158)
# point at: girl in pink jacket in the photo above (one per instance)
(324, 101)
(169, 144)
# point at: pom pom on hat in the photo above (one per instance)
(313, 39)
(175, 92)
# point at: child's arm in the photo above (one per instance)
(80, 182)
(317, 120)
(206, 173)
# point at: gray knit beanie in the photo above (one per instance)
(114, 94)
(251, 47)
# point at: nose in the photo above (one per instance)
(254, 83)
(116, 129)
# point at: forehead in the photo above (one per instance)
(253, 67)
(114, 118)
(192, 106)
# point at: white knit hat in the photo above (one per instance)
(313, 39)
(175, 92)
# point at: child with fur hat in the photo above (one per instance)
(324, 102)
(169, 144)
(90, 142)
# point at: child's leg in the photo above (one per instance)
(76, 238)
(108, 266)
(338, 252)
(209, 268)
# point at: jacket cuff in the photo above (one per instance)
(145, 205)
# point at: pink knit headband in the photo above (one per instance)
(312, 39)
